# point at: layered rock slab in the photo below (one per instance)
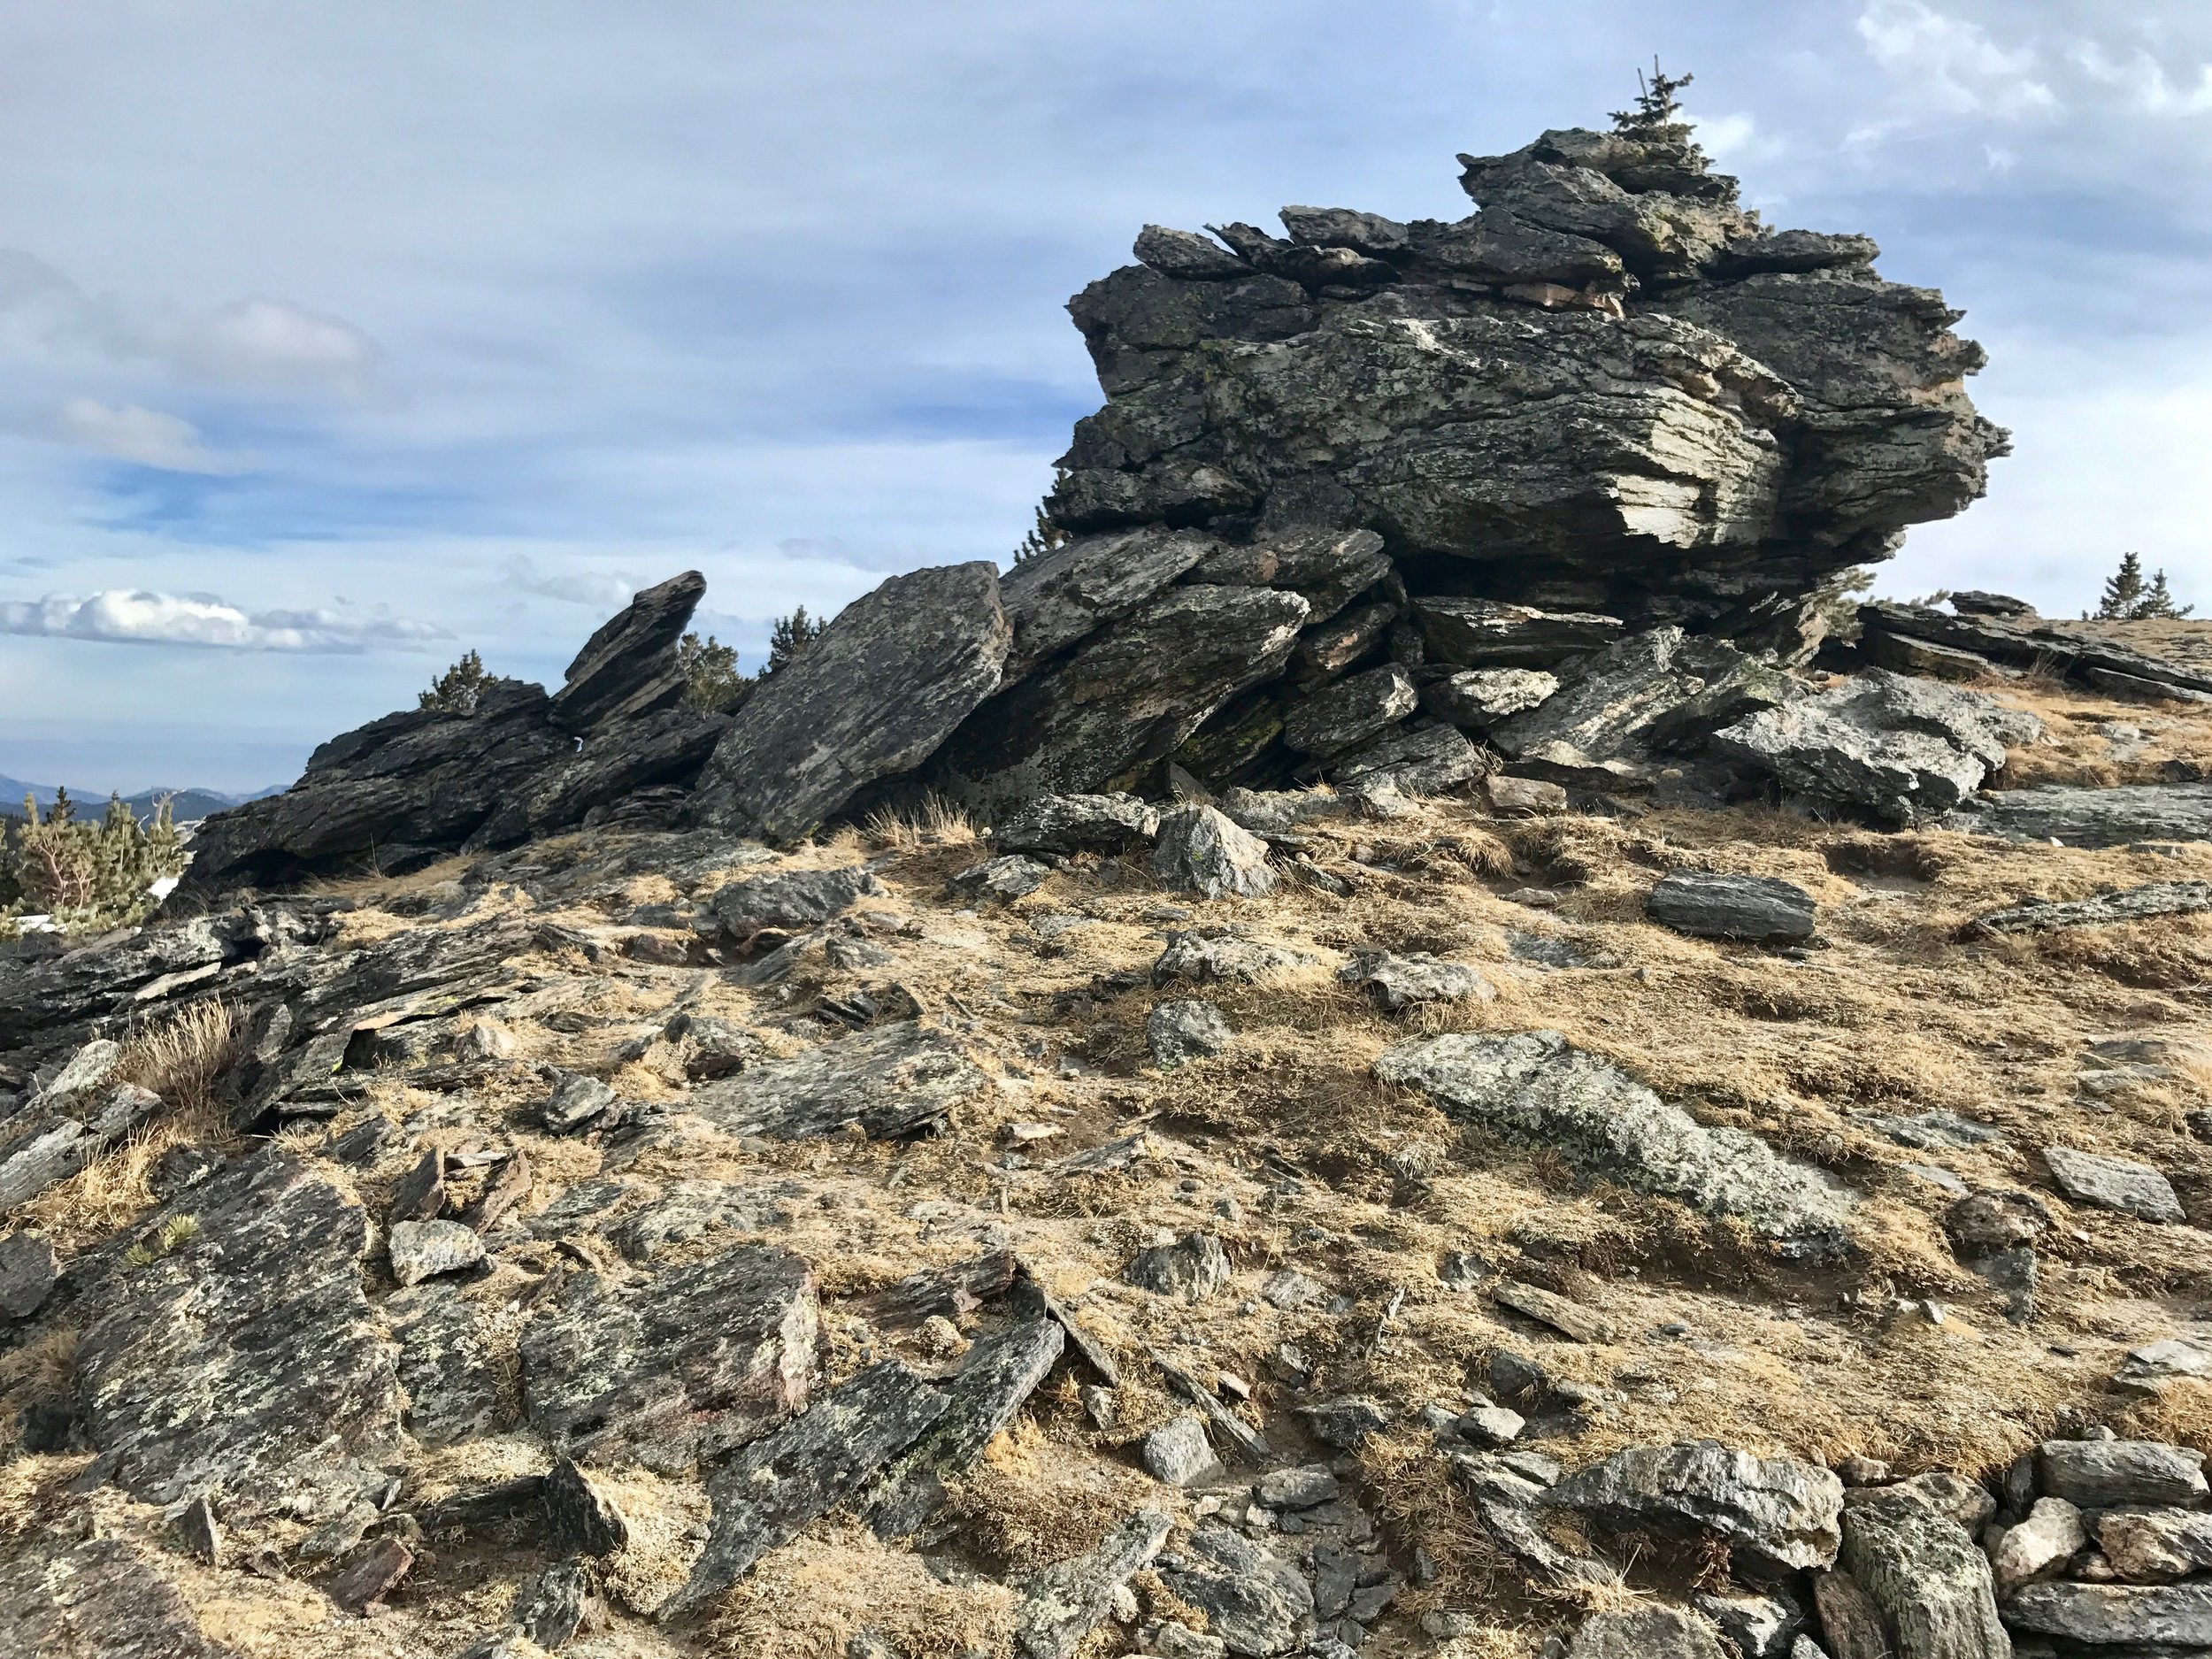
(1537, 1088)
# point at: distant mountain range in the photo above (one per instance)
(184, 805)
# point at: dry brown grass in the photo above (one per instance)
(933, 822)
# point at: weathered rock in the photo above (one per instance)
(1350, 711)
(1644, 1632)
(27, 1271)
(1783, 1515)
(1325, 568)
(2103, 1474)
(999, 880)
(999, 1374)
(1194, 1267)
(1398, 982)
(2091, 817)
(103, 1598)
(772, 1488)
(1191, 957)
(580, 1514)
(2148, 1546)
(1129, 695)
(2040, 1546)
(1478, 698)
(552, 1606)
(243, 1358)
(1522, 797)
(1417, 760)
(1907, 750)
(2121, 1184)
(2136, 904)
(1346, 1423)
(628, 668)
(1925, 1574)
(698, 1359)
(1202, 847)
(1063, 595)
(46, 1147)
(2178, 1616)
(893, 1081)
(1533, 1087)
(1757, 1626)
(1299, 1488)
(450, 1358)
(1188, 255)
(1177, 1451)
(873, 696)
(1712, 905)
(1079, 823)
(1908, 656)
(790, 901)
(1486, 634)
(2023, 640)
(1505, 1501)
(1184, 1029)
(1570, 1319)
(2150, 1369)
(419, 1249)
(1064, 1603)
(1849, 1618)
(370, 1573)
(1952, 1496)
(576, 1103)
(1258, 1604)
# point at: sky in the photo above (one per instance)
(336, 341)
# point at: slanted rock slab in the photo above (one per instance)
(1711, 905)
(1785, 1514)
(894, 1080)
(2121, 1184)
(1931, 1581)
(1064, 1603)
(1079, 824)
(2166, 1617)
(2105, 1474)
(419, 1249)
(2135, 904)
(2152, 1545)
(1398, 982)
(1257, 1603)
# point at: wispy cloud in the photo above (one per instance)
(128, 432)
(603, 588)
(138, 617)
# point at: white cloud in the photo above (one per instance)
(603, 588)
(1947, 66)
(137, 617)
(1725, 136)
(129, 433)
(2142, 78)
(273, 343)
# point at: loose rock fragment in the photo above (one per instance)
(1064, 1602)
(2121, 1184)
(1177, 1451)
(1569, 1318)
(1193, 1269)
(1398, 982)
(893, 1081)
(2103, 1474)
(1183, 1029)
(1202, 847)
(1712, 905)
(420, 1249)
(1648, 1633)
(998, 880)
(2160, 898)
(1783, 1514)
(581, 1514)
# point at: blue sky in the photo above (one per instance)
(354, 337)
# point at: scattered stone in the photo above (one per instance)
(2091, 816)
(1002, 1371)
(1258, 1604)
(576, 1104)
(1299, 1488)
(1569, 1318)
(1178, 1452)
(894, 1081)
(419, 1249)
(998, 880)
(2131, 1188)
(1478, 698)
(1783, 1514)
(1398, 982)
(1711, 905)
(1536, 1089)
(1345, 1424)
(1194, 1267)
(1522, 797)
(2177, 1615)
(1289, 1289)
(2103, 1474)
(1644, 1632)
(1935, 1131)
(370, 1573)
(2134, 904)
(552, 1606)
(508, 1185)
(1758, 1627)
(201, 1531)
(1202, 847)
(1079, 824)
(484, 1040)
(1064, 1602)
(27, 1271)
(2152, 1545)
(1183, 1029)
(2039, 1547)
(1491, 1427)
(1189, 957)
(2149, 1369)
(774, 1488)
(581, 1515)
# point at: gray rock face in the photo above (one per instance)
(1533, 1087)
(1128, 695)
(2039, 1545)
(2083, 816)
(2149, 1546)
(2103, 1474)
(1191, 1268)
(1258, 1604)
(1644, 1632)
(999, 880)
(885, 684)
(100, 1599)
(1782, 1514)
(1351, 711)
(1491, 633)
(2177, 1616)
(893, 1081)
(1065, 596)
(1079, 824)
(1325, 568)
(1184, 1029)
(243, 1360)
(1064, 1602)
(790, 901)
(2121, 1184)
(999, 1375)
(1415, 760)
(1202, 847)
(2022, 639)
(766, 1495)
(1191, 957)
(1177, 1451)
(421, 1249)
(1604, 725)
(1931, 1583)
(1398, 982)
(1757, 1626)
(44, 1147)
(628, 668)
(698, 1359)
(1711, 905)
(2159, 898)
(1907, 750)
(28, 1270)
(1478, 698)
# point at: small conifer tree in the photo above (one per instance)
(456, 690)
(1043, 537)
(87, 877)
(1657, 117)
(711, 681)
(788, 637)
(2158, 602)
(2127, 597)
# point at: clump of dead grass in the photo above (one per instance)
(933, 821)
(809, 1599)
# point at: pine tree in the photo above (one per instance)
(87, 877)
(2123, 590)
(789, 636)
(2158, 603)
(1657, 117)
(1044, 537)
(456, 690)
(711, 681)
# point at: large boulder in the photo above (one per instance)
(2087, 815)
(1906, 750)
(1931, 1583)
(1783, 1515)
(887, 682)
(1537, 1088)
(628, 668)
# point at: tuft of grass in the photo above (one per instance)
(931, 822)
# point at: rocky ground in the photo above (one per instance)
(1324, 1264)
